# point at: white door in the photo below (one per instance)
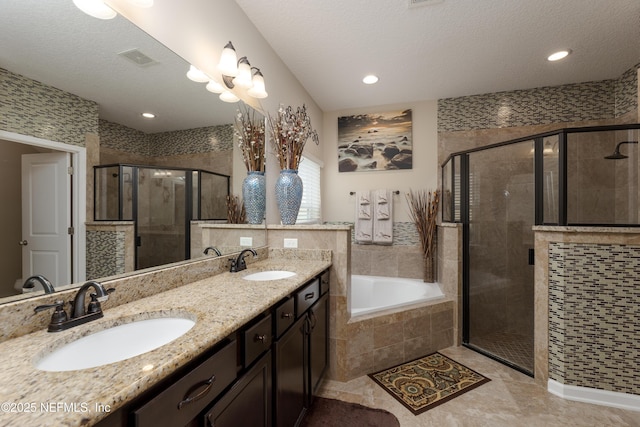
(46, 218)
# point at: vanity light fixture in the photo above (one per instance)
(370, 79)
(99, 9)
(233, 72)
(148, 115)
(556, 56)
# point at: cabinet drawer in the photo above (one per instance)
(324, 282)
(184, 399)
(307, 296)
(285, 316)
(257, 339)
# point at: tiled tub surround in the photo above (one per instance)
(359, 345)
(587, 315)
(220, 304)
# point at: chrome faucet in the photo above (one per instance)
(60, 321)
(46, 284)
(239, 263)
(212, 248)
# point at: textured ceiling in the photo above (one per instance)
(55, 43)
(452, 48)
(448, 49)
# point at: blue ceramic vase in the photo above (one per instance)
(254, 196)
(288, 195)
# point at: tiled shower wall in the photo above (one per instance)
(594, 334)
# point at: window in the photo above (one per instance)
(309, 172)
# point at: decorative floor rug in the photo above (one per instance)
(332, 413)
(427, 382)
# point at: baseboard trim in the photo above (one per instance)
(595, 396)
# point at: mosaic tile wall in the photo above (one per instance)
(31, 108)
(190, 141)
(105, 253)
(627, 91)
(568, 103)
(594, 316)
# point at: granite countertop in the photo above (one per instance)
(220, 305)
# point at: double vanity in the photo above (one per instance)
(244, 348)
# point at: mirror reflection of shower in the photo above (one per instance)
(617, 154)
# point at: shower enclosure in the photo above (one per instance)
(162, 202)
(575, 177)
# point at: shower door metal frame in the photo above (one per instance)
(562, 135)
(189, 210)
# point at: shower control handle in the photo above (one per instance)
(23, 243)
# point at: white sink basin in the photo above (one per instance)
(270, 275)
(115, 344)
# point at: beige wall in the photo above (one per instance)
(11, 219)
(338, 205)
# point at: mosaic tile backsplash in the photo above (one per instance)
(594, 316)
(589, 101)
(31, 108)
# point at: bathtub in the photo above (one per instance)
(374, 293)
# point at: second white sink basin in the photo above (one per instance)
(115, 344)
(270, 275)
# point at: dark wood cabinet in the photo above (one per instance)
(302, 354)
(289, 375)
(318, 344)
(248, 402)
(265, 374)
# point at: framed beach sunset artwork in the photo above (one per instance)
(375, 142)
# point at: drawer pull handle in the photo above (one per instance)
(208, 383)
(287, 315)
(309, 296)
(260, 338)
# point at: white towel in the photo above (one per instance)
(383, 218)
(364, 220)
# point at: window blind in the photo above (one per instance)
(309, 172)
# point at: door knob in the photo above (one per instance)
(23, 243)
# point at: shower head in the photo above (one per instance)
(617, 154)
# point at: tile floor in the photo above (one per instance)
(509, 399)
(513, 347)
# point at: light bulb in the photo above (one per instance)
(215, 87)
(243, 79)
(227, 96)
(196, 75)
(228, 64)
(258, 90)
(96, 8)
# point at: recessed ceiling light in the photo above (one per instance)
(556, 56)
(148, 115)
(370, 79)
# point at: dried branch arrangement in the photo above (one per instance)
(290, 131)
(235, 210)
(250, 132)
(423, 210)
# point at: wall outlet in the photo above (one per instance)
(246, 241)
(290, 243)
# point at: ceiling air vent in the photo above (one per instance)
(416, 3)
(138, 57)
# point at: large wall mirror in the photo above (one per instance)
(126, 73)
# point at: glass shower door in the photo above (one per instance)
(161, 216)
(499, 285)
